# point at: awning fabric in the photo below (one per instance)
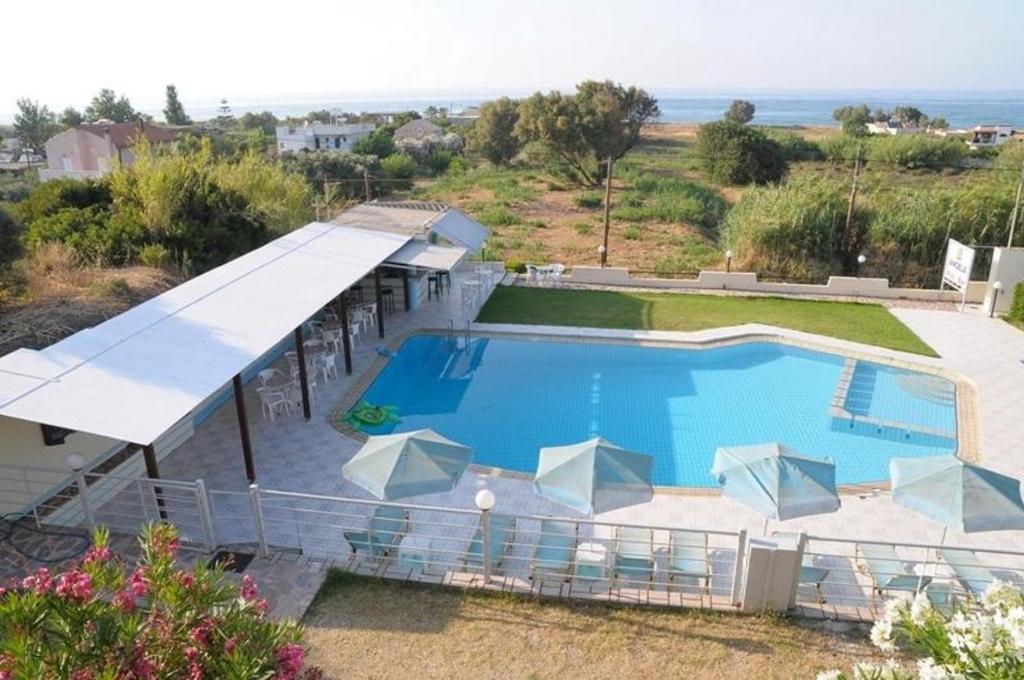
(461, 230)
(134, 376)
(428, 256)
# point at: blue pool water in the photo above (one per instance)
(508, 398)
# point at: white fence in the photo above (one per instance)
(677, 566)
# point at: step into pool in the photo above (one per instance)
(508, 397)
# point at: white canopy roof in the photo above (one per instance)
(461, 230)
(428, 256)
(134, 376)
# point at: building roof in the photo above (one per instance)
(323, 129)
(417, 219)
(136, 375)
(418, 129)
(124, 135)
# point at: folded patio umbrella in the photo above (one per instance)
(407, 464)
(776, 481)
(957, 494)
(593, 476)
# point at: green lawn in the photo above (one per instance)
(868, 323)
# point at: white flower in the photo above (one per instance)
(881, 635)
(921, 609)
(830, 675)
(1001, 594)
(895, 608)
(928, 670)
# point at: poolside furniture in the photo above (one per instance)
(688, 558)
(633, 554)
(384, 532)
(555, 551)
(274, 401)
(968, 570)
(332, 338)
(388, 297)
(887, 570)
(444, 278)
(393, 466)
(502, 533)
(369, 312)
(328, 364)
(330, 314)
(593, 476)
(415, 552)
(810, 573)
(433, 285)
(268, 374)
(592, 561)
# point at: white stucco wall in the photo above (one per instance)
(1008, 269)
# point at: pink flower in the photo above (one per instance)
(75, 585)
(138, 584)
(229, 645)
(191, 653)
(249, 591)
(195, 671)
(125, 600)
(97, 554)
(185, 579)
(6, 667)
(41, 581)
(142, 667)
(289, 661)
(82, 674)
(201, 634)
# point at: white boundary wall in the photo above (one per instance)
(844, 286)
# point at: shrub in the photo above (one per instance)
(154, 255)
(438, 161)
(795, 147)
(98, 619)
(499, 216)
(980, 640)
(457, 167)
(667, 199)
(1017, 306)
(379, 143)
(732, 153)
(399, 167)
(916, 151)
(633, 233)
(10, 236)
(583, 228)
(588, 199)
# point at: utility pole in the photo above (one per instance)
(607, 212)
(366, 184)
(853, 200)
(1016, 208)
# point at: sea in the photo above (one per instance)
(962, 108)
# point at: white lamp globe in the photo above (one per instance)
(484, 499)
(728, 254)
(75, 461)
(600, 249)
(998, 285)
(861, 259)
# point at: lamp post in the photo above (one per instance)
(485, 501)
(728, 261)
(996, 287)
(602, 252)
(861, 259)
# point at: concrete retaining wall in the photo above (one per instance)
(848, 286)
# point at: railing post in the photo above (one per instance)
(801, 544)
(205, 516)
(80, 483)
(257, 516)
(737, 574)
(484, 502)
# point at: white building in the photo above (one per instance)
(986, 136)
(320, 136)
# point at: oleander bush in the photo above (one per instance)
(983, 639)
(104, 619)
(1016, 314)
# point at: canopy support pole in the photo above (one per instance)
(243, 428)
(380, 302)
(153, 472)
(346, 339)
(300, 354)
(406, 297)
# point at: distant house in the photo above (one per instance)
(418, 129)
(94, 149)
(987, 136)
(891, 127)
(320, 136)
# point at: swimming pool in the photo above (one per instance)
(507, 398)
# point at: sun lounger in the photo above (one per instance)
(688, 557)
(384, 532)
(555, 550)
(887, 570)
(502, 533)
(968, 570)
(810, 573)
(633, 554)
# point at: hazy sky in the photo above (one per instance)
(62, 52)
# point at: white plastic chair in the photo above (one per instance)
(556, 271)
(332, 338)
(268, 374)
(273, 401)
(329, 365)
(370, 315)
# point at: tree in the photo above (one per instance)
(379, 143)
(174, 112)
(740, 111)
(736, 154)
(910, 116)
(602, 120)
(108, 106)
(854, 119)
(71, 117)
(939, 123)
(321, 116)
(265, 121)
(494, 133)
(880, 115)
(34, 124)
